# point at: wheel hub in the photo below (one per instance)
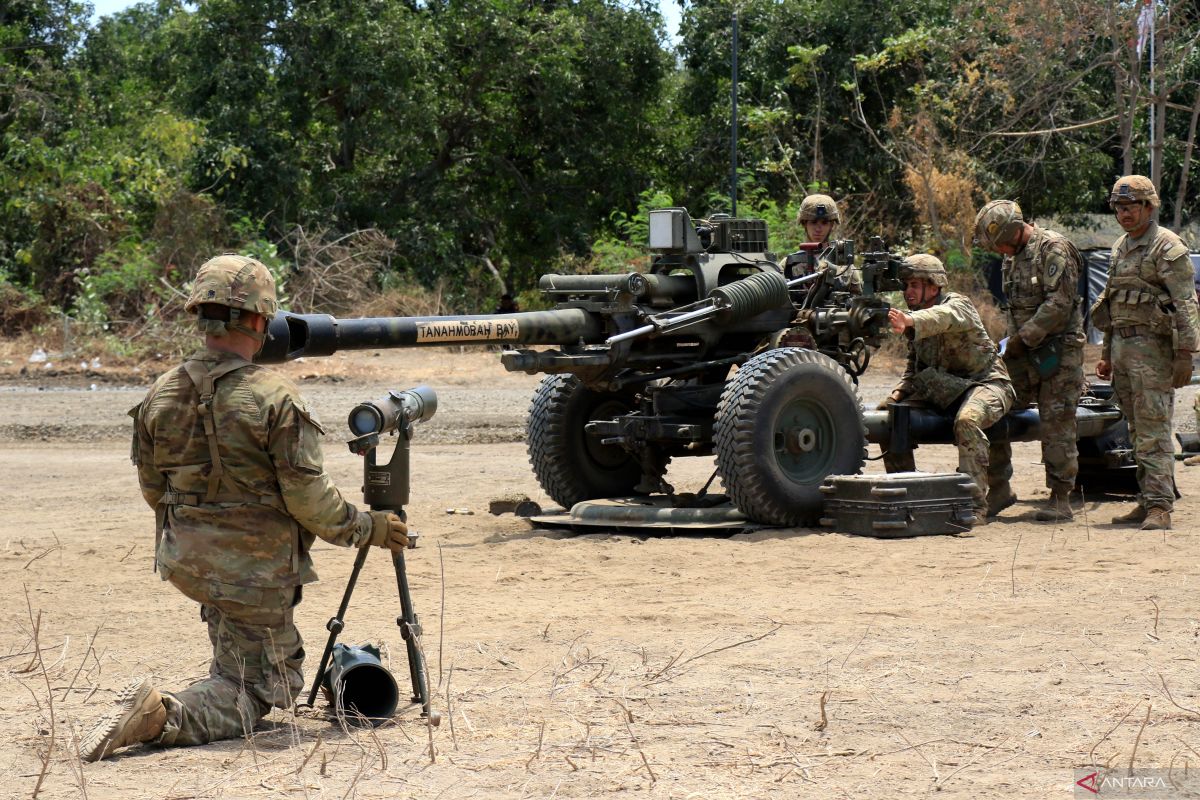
(805, 438)
(800, 440)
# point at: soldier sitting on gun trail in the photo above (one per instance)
(229, 458)
(1151, 332)
(952, 365)
(1044, 354)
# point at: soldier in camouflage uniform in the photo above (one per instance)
(820, 217)
(952, 364)
(229, 457)
(1044, 354)
(1151, 331)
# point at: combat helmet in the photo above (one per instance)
(818, 206)
(998, 223)
(1133, 189)
(238, 283)
(923, 265)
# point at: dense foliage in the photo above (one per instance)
(483, 142)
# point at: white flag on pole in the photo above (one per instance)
(1145, 25)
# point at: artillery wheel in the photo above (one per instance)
(570, 465)
(788, 419)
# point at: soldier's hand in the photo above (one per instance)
(388, 531)
(1181, 369)
(1015, 347)
(895, 397)
(1104, 369)
(899, 320)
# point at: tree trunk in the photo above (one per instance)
(1159, 109)
(1181, 191)
(1126, 97)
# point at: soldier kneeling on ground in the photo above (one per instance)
(229, 457)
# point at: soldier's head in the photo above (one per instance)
(924, 278)
(819, 216)
(233, 295)
(1134, 200)
(1001, 228)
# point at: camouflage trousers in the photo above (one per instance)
(257, 657)
(1056, 398)
(1142, 382)
(982, 407)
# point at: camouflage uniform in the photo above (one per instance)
(952, 360)
(1150, 305)
(843, 278)
(229, 458)
(1041, 283)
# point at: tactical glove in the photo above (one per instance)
(894, 397)
(1181, 369)
(1015, 347)
(388, 531)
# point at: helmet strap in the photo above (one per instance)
(235, 324)
(220, 327)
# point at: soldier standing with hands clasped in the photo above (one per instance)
(1151, 331)
(1044, 354)
(229, 457)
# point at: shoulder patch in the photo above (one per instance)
(1174, 251)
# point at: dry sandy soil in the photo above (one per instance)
(780, 663)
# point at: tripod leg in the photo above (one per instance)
(410, 630)
(336, 623)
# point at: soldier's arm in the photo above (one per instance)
(294, 442)
(1060, 281)
(152, 482)
(1178, 277)
(952, 317)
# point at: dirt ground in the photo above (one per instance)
(780, 663)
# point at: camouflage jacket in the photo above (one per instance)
(272, 495)
(1151, 283)
(948, 337)
(1041, 283)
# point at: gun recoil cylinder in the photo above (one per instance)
(750, 296)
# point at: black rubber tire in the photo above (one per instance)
(782, 393)
(570, 465)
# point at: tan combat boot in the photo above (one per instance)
(1191, 461)
(999, 498)
(1157, 519)
(1057, 508)
(1134, 517)
(140, 716)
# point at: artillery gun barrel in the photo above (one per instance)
(292, 336)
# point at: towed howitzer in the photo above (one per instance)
(639, 371)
